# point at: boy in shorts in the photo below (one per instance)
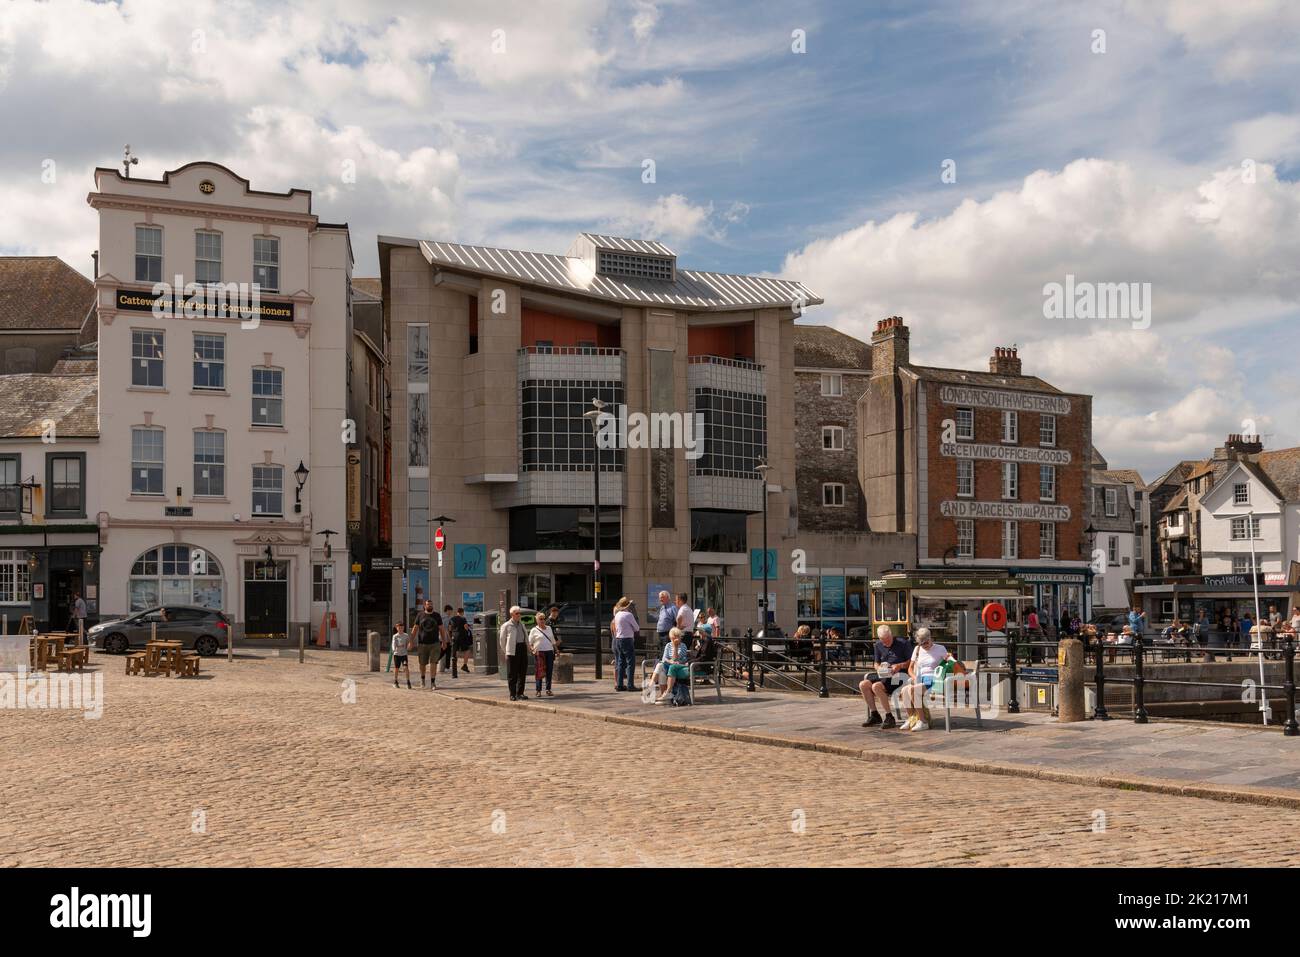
(401, 645)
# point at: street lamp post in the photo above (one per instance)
(597, 410)
(329, 564)
(443, 520)
(1259, 628)
(762, 468)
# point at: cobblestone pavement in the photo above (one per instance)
(280, 770)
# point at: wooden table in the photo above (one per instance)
(47, 647)
(157, 651)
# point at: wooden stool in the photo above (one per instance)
(135, 663)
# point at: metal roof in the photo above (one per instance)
(647, 246)
(692, 289)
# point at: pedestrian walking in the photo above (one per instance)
(1137, 621)
(400, 647)
(430, 633)
(447, 648)
(625, 628)
(553, 619)
(667, 617)
(513, 642)
(541, 642)
(78, 621)
(462, 641)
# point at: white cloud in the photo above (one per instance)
(1222, 256)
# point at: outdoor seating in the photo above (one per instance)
(73, 656)
(135, 662)
(189, 665)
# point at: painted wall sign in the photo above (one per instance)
(178, 511)
(663, 467)
(354, 488)
(1002, 399)
(266, 310)
(1005, 453)
(1006, 510)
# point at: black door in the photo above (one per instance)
(64, 583)
(266, 600)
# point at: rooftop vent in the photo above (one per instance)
(638, 259)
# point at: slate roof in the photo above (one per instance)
(822, 347)
(367, 288)
(43, 292)
(1127, 476)
(75, 367)
(28, 399)
(996, 380)
(1282, 466)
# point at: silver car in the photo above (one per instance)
(204, 630)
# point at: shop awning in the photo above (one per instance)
(969, 593)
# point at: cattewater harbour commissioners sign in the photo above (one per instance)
(1006, 510)
(1005, 453)
(999, 399)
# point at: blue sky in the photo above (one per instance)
(520, 124)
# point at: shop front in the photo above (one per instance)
(1058, 594)
(42, 574)
(834, 598)
(1222, 597)
(913, 599)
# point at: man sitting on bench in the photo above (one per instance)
(891, 656)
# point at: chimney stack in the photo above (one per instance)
(1005, 361)
(1239, 446)
(890, 346)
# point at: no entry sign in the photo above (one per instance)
(438, 540)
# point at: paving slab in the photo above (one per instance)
(1249, 763)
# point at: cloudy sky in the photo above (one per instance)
(795, 138)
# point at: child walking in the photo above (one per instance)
(401, 645)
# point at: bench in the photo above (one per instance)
(697, 671)
(135, 662)
(189, 665)
(77, 656)
(950, 683)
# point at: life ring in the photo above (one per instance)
(995, 616)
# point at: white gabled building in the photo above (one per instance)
(204, 421)
(1249, 501)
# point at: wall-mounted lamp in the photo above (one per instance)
(300, 476)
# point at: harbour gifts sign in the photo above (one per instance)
(1019, 511)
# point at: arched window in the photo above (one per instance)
(176, 575)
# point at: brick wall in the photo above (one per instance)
(1073, 432)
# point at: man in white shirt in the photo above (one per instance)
(685, 615)
(513, 640)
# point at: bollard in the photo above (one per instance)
(372, 650)
(1070, 697)
(1100, 712)
(1013, 706)
(824, 692)
(302, 642)
(1139, 706)
(749, 656)
(1290, 728)
(564, 668)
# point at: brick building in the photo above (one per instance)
(990, 470)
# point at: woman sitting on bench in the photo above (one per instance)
(674, 663)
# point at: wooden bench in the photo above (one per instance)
(77, 656)
(135, 662)
(189, 665)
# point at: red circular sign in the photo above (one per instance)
(995, 616)
(438, 539)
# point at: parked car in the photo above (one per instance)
(204, 630)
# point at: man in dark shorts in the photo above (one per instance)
(461, 641)
(430, 633)
(891, 656)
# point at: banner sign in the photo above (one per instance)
(1006, 510)
(663, 465)
(1000, 399)
(1005, 453)
(176, 306)
(756, 564)
(354, 488)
